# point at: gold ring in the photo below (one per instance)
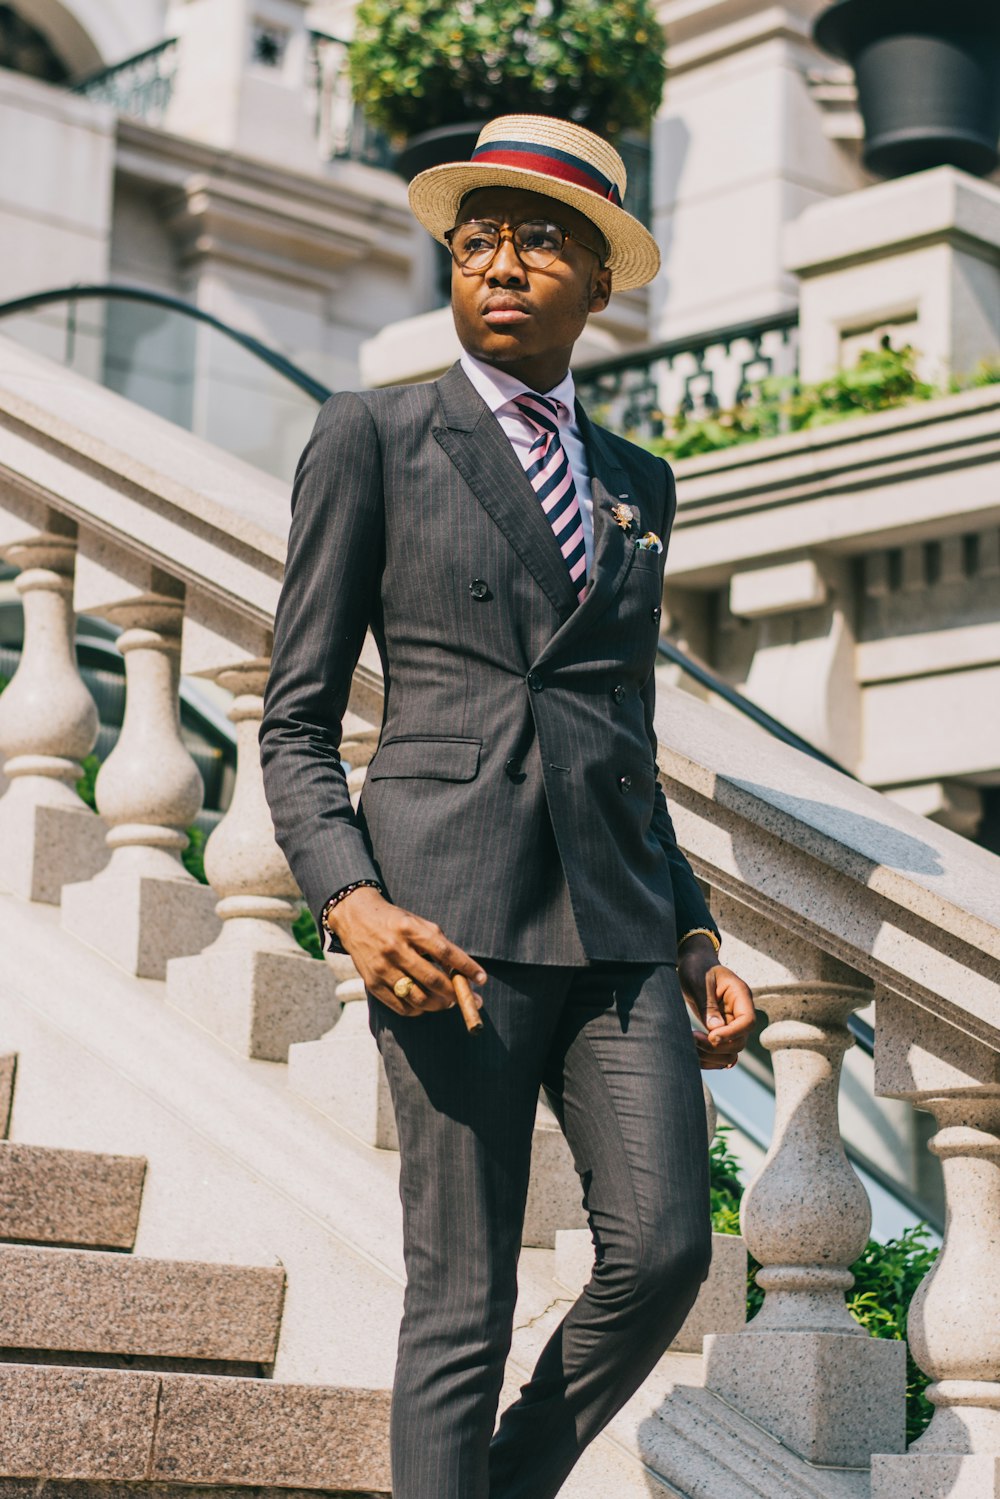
(401, 988)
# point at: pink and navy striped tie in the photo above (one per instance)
(552, 480)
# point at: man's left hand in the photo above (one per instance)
(723, 1001)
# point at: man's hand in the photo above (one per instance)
(723, 1001)
(388, 943)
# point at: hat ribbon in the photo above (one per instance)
(550, 162)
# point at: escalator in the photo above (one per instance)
(194, 369)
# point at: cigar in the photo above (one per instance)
(466, 1003)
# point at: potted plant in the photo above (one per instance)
(928, 75)
(431, 72)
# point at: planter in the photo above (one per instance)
(928, 75)
(433, 148)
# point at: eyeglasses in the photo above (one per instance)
(537, 243)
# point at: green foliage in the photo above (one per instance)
(193, 857)
(305, 933)
(419, 64)
(85, 785)
(986, 372)
(882, 378)
(885, 1276)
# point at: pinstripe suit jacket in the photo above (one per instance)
(513, 797)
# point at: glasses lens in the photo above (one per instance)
(538, 243)
(475, 244)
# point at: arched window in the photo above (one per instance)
(23, 49)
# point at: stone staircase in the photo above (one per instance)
(127, 1370)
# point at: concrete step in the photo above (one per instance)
(76, 1426)
(69, 1197)
(81, 1301)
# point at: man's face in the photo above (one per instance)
(520, 318)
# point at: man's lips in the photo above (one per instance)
(502, 311)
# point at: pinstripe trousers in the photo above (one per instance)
(611, 1045)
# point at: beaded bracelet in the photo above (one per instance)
(701, 931)
(342, 895)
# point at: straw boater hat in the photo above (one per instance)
(553, 157)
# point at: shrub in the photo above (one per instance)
(419, 64)
(881, 379)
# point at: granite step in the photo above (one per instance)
(69, 1197)
(96, 1432)
(88, 1302)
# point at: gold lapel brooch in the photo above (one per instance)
(624, 516)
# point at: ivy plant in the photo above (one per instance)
(880, 379)
(418, 64)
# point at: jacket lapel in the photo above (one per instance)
(614, 548)
(477, 446)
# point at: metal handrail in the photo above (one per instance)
(669, 349)
(84, 293)
(697, 670)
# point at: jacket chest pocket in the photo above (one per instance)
(426, 757)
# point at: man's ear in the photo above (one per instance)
(600, 290)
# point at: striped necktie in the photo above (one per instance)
(551, 478)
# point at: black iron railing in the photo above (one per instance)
(139, 87)
(638, 392)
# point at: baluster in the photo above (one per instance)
(803, 1368)
(953, 1325)
(342, 1073)
(48, 720)
(143, 907)
(254, 988)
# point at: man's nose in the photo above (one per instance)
(506, 268)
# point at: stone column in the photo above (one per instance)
(143, 907)
(255, 988)
(48, 720)
(803, 1368)
(953, 1326)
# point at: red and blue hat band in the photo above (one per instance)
(550, 162)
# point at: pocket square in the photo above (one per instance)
(650, 542)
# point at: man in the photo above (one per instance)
(508, 557)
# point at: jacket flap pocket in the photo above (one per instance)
(427, 758)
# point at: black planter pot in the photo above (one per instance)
(432, 148)
(928, 75)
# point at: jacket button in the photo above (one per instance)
(535, 681)
(624, 784)
(619, 694)
(512, 769)
(479, 589)
(656, 614)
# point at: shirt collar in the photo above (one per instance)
(497, 388)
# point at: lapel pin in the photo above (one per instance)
(623, 516)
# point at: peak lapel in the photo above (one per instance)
(614, 549)
(477, 446)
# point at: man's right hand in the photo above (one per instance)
(387, 943)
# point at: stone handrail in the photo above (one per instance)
(826, 892)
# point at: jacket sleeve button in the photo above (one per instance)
(624, 784)
(618, 693)
(656, 614)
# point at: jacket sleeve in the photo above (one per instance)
(690, 907)
(329, 596)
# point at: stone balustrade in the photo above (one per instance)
(826, 893)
